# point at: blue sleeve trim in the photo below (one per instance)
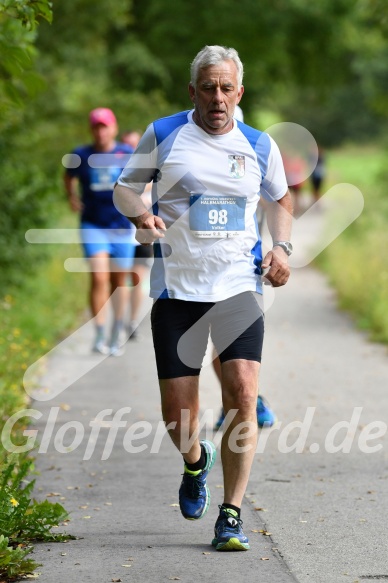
(166, 125)
(166, 129)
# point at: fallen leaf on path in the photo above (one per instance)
(174, 504)
(126, 565)
(116, 580)
(206, 553)
(264, 559)
(265, 532)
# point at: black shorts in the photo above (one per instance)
(180, 331)
(144, 255)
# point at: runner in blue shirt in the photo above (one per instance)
(105, 232)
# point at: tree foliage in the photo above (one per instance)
(18, 21)
(301, 58)
(28, 12)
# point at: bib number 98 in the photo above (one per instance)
(218, 217)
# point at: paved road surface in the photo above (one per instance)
(325, 510)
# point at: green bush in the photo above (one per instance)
(21, 518)
(13, 561)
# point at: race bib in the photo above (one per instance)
(217, 216)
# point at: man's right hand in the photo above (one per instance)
(149, 228)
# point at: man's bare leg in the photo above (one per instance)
(177, 395)
(99, 286)
(119, 299)
(239, 391)
(180, 406)
(98, 297)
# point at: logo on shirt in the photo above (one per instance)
(236, 166)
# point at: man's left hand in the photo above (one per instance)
(279, 270)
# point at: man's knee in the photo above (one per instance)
(179, 400)
(240, 397)
(240, 385)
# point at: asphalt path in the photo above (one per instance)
(316, 505)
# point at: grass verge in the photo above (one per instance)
(33, 319)
(357, 261)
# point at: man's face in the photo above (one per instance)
(104, 136)
(215, 97)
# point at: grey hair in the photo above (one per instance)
(215, 55)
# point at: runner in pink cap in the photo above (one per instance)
(102, 115)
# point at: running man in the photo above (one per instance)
(208, 173)
(105, 233)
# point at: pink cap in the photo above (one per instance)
(102, 115)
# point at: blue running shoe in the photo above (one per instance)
(265, 416)
(228, 532)
(194, 495)
(220, 420)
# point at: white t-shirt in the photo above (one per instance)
(206, 189)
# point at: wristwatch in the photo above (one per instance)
(285, 245)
